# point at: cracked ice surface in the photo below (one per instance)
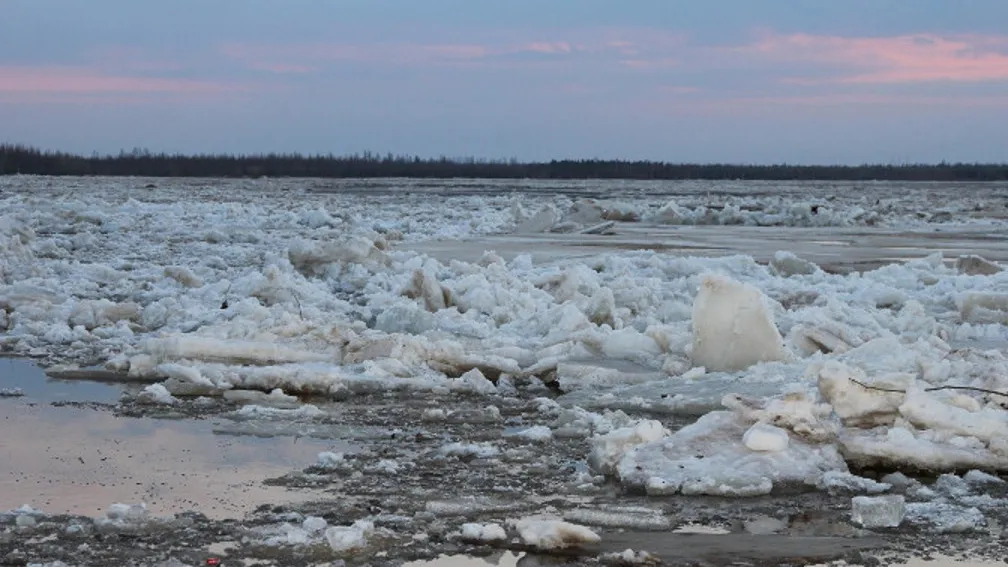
(210, 286)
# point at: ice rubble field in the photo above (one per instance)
(306, 287)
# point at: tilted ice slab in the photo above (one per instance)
(733, 328)
(892, 421)
(933, 435)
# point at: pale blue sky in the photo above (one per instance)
(801, 81)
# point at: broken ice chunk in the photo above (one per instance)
(470, 450)
(764, 525)
(608, 449)
(331, 460)
(709, 457)
(878, 511)
(540, 222)
(474, 381)
(984, 307)
(483, 532)
(554, 534)
(536, 433)
(839, 481)
(786, 264)
(156, 394)
(184, 276)
(349, 538)
(979, 477)
(858, 400)
(945, 517)
(974, 265)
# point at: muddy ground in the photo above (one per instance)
(397, 473)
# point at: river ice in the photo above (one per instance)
(264, 290)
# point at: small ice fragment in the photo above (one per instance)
(478, 450)
(787, 264)
(314, 524)
(630, 557)
(763, 525)
(701, 529)
(600, 228)
(980, 477)
(607, 450)
(951, 485)
(546, 405)
(898, 480)
(694, 373)
(126, 512)
(984, 308)
(426, 287)
(483, 532)
(156, 394)
(349, 538)
(540, 222)
(434, 414)
(330, 460)
(25, 521)
(554, 534)
(945, 517)
(307, 411)
(474, 381)
(766, 438)
(11, 392)
(974, 265)
(184, 276)
(537, 433)
(840, 481)
(387, 466)
(878, 511)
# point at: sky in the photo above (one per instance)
(741, 81)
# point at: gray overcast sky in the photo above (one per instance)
(798, 81)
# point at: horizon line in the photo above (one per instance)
(388, 156)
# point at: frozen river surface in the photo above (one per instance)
(511, 364)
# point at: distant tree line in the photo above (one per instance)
(22, 159)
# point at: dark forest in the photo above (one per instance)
(22, 159)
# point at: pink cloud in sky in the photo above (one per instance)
(549, 48)
(309, 55)
(868, 99)
(638, 63)
(125, 59)
(688, 104)
(641, 48)
(851, 60)
(896, 59)
(281, 68)
(81, 80)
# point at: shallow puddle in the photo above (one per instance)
(19, 374)
(79, 460)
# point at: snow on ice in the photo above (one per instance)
(268, 286)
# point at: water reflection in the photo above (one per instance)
(79, 460)
(21, 374)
